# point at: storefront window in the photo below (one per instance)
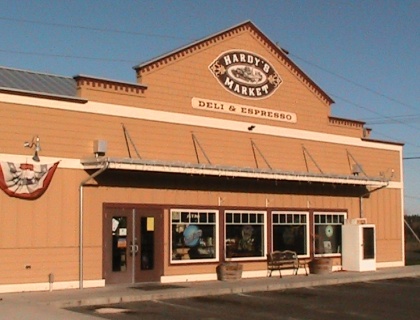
(290, 232)
(193, 235)
(328, 232)
(245, 234)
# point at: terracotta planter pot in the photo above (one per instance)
(321, 266)
(229, 271)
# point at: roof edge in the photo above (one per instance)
(36, 72)
(42, 95)
(125, 83)
(189, 45)
(396, 143)
(347, 119)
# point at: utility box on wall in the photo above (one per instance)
(100, 147)
(359, 247)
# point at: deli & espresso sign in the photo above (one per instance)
(245, 74)
(243, 110)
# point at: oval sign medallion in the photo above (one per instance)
(245, 74)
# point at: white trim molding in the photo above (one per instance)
(390, 264)
(46, 286)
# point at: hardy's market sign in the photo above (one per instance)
(245, 74)
(243, 110)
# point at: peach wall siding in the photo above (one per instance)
(62, 261)
(71, 134)
(44, 222)
(28, 265)
(44, 234)
(292, 95)
(389, 222)
(384, 210)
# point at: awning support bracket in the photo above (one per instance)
(128, 140)
(197, 143)
(358, 167)
(255, 147)
(306, 152)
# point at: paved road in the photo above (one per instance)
(386, 299)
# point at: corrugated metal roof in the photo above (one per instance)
(37, 82)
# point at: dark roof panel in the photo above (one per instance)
(37, 82)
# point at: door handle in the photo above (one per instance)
(134, 249)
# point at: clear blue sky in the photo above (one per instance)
(364, 54)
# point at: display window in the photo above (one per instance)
(328, 232)
(245, 234)
(193, 235)
(291, 232)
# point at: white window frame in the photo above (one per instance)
(306, 224)
(328, 222)
(264, 226)
(192, 212)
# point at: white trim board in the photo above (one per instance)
(46, 286)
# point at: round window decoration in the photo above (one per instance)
(329, 231)
(192, 235)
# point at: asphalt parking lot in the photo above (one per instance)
(385, 299)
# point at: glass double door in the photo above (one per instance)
(132, 244)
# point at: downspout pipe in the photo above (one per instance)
(361, 215)
(83, 183)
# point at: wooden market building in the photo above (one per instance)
(223, 150)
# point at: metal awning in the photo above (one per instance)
(142, 165)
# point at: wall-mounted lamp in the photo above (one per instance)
(34, 143)
(357, 169)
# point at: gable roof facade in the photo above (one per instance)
(250, 27)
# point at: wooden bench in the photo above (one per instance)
(281, 260)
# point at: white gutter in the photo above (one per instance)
(103, 167)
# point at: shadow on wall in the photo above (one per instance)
(174, 181)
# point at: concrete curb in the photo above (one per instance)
(52, 305)
(190, 290)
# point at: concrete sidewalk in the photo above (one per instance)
(50, 305)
